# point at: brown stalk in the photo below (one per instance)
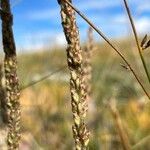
(136, 39)
(87, 67)
(77, 86)
(3, 103)
(111, 45)
(143, 142)
(11, 78)
(119, 126)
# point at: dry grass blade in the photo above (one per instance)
(77, 86)
(144, 40)
(11, 78)
(119, 126)
(111, 45)
(141, 143)
(136, 39)
(145, 43)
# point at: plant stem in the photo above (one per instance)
(11, 78)
(136, 39)
(3, 102)
(77, 86)
(143, 142)
(111, 45)
(119, 126)
(32, 83)
(87, 66)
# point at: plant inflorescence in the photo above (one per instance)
(11, 78)
(77, 86)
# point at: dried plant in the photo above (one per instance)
(140, 47)
(3, 103)
(128, 65)
(77, 87)
(11, 79)
(119, 126)
(143, 142)
(87, 66)
(145, 43)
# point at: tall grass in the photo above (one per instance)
(79, 64)
(87, 66)
(139, 47)
(11, 78)
(3, 102)
(118, 123)
(77, 80)
(128, 66)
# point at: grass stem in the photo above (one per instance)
(136, 39)
(111, 45)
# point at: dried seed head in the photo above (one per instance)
(77, 87)
(125, 67)
(144, 40)
(145, 43)
(12, 84)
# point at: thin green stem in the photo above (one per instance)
(136, 39)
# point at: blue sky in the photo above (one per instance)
(37, 22)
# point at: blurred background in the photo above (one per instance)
(46, 109)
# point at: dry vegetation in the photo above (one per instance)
(46, 105)
(119, 106)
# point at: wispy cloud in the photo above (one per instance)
(45, 14)
(145, 7)
(15, 3)
(143, 24)
(97, 4)
(108, 15)
(41, 39)
(120, 18)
